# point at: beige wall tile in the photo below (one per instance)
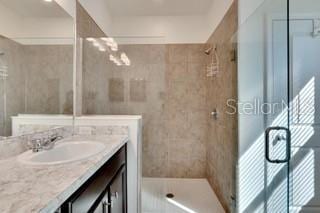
(138, 90)
(195, 53)
(177, 72)
(116, 90)
(39, 81)
(222, 133)
(170, 93)
(177, 53)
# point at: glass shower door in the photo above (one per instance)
(279, 149)
(292, 134)
(304, 40)
(264, 132)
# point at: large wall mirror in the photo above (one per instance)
(36, 60)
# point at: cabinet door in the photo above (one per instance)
(88, 197)
(104, 204)
(118, 193)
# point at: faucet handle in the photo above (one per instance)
(55, 137)
(36, 141)
(36, 144)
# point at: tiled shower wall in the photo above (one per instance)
(93, 69)
(96, 73)
(12, 89)
(222, 134)
(48, 79)
(165, 84)
(39, 80)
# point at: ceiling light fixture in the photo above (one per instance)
(48, 0)
(110, 42)
(112, 58)
(115, 60)
(96, 44)
(114, 47)
(90, 39)
(124, 58)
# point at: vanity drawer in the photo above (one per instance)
(87, 197)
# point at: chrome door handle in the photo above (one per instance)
(115, 195)
(278, 138)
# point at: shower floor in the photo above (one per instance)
(190, 196)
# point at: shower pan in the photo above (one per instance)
(178, 195)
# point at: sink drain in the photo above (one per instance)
(170, 195)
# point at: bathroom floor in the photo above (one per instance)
(190, 196)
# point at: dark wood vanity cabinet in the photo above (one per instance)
(117, 194)
(104, 192)
(114, 198)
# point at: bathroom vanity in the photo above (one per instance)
(131, 126)
(96, 183)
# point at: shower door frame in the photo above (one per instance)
(268, 89)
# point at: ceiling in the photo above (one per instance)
(35, 8)
(159, 7)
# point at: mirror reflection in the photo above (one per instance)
(36, 61)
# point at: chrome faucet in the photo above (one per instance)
(38, 145)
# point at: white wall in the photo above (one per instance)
(69, 6)
(35, 30)
(10, 23)
(169, 29)
(157, 29)
(46, 31)
(247, 8)
(216, 13)
(127, 29)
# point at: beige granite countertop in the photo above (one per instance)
(25, 188)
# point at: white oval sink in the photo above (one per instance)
(62, 153)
